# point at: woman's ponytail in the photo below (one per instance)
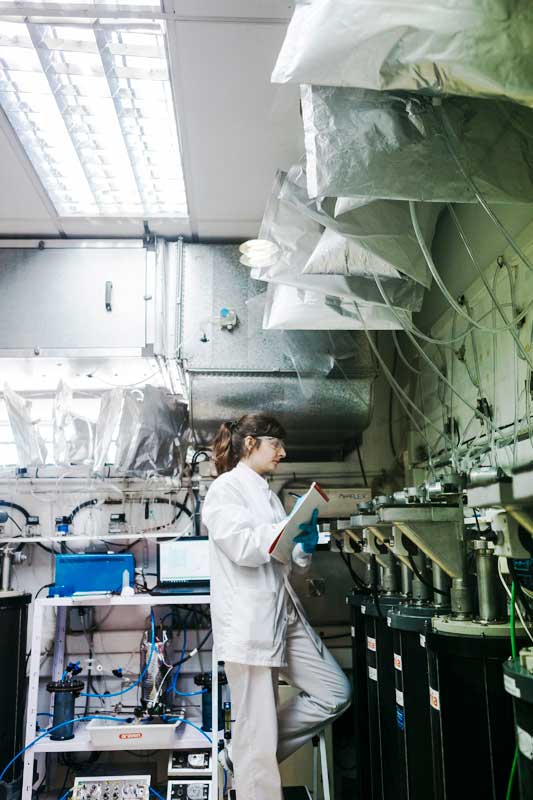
(223, 453)
(229, 443)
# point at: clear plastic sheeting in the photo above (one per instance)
(297, 234)
(288, 308)
(383, 145)
(382, 229)
(106, 426)
(73, 434)
(463, 47)
(152, 432)
(335, 355)
(31, 449)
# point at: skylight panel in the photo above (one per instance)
(92, 107)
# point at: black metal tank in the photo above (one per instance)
(383, 741)
(410, 624)
(518, 683)
(471, 715)
(13, 628)
(360, 697)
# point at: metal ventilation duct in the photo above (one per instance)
(246, 369)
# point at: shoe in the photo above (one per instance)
(224, 758)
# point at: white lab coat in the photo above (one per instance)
(248, 588)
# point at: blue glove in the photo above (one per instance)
(309, 536)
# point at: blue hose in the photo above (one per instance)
(192, 724)
(51, 730)
(141, 676)
(172, 687)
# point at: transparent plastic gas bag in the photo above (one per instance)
(30, 446)
(297, 236)
(289, 308)
(73, 433)
(388, 145)
(380, 231)
(477, 48)
(153, 432)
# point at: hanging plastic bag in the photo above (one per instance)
(297, 234)
(152, 432)
(73, 434)
(384, 145)
(288, 308)
(380, 228)
(463, 47)
(337, 255)
(31, 449)
(106, 424)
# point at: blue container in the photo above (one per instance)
(91, 572)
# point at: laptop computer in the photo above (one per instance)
(183, 566)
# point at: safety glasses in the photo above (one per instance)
(276, 444)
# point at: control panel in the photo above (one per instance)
(190, 762)
(112, 787)
(189, 790)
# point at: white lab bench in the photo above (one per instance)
(187, 737)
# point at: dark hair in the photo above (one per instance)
(228, 444)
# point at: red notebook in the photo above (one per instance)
(281, 547)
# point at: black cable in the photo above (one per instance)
(16, 507)
(195, 649)
(14, 521)
(46, 586)
(524, 599)
(336, 636)
(423, 580)
(391, 401)
(355, 577)
(86, 504)
(197, 455)
(375, 594)
(363, 473)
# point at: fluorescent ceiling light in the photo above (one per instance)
(92, 106)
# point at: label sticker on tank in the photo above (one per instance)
(422, 640)
(399, 697)
(353, 631)
(510, 686)
(389, 621)
(397, 662)
(372, 673)
(525, 743)
(434, 699)
(363, 609)
(371, 643)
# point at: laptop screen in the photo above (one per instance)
(184, 560)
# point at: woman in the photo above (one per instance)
(259, 627)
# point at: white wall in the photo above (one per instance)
(502, 375)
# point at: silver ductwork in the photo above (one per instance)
(324, 402)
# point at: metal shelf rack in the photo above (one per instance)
(186, 738)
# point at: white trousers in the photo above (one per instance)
(264, 733)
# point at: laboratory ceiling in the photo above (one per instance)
(236, 128)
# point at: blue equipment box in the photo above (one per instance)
(91, 572)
